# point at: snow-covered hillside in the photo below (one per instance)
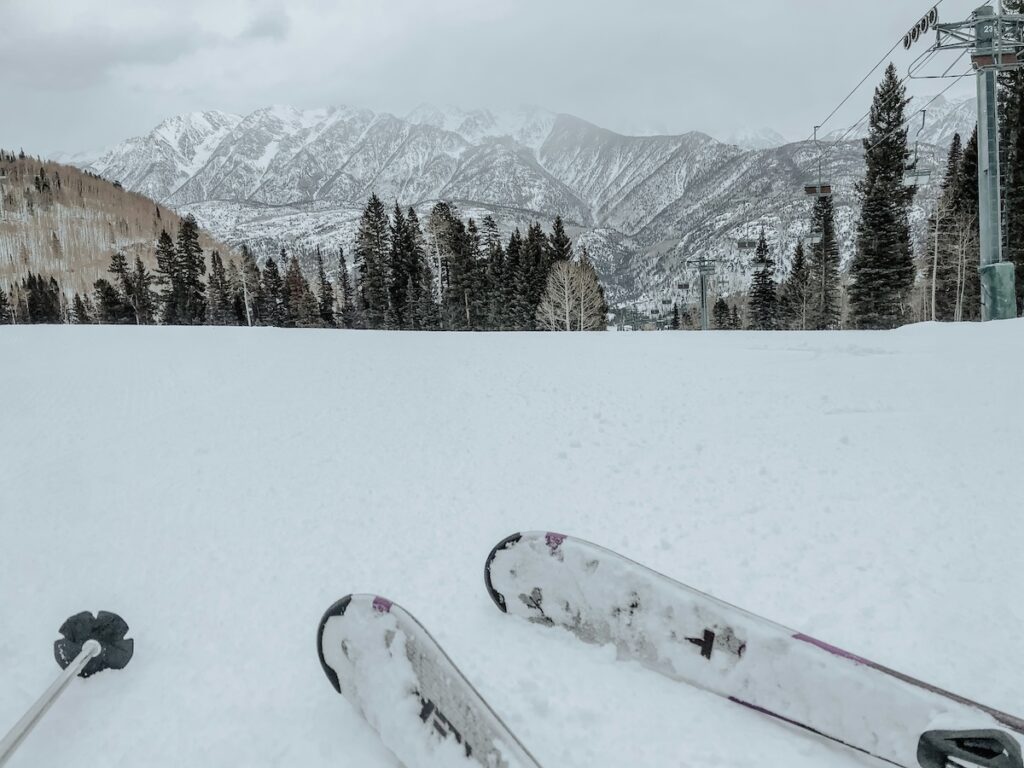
(220, 488)
(642, 204)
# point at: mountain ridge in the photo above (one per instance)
(644, 205)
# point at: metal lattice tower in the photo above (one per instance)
(996, 41)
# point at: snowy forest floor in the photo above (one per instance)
(219, 488)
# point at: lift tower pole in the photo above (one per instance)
(705, 268)
(997, 44)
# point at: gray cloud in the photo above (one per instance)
(644, 66)
(273, 24)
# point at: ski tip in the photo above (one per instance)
(497, 597)
(338, 609)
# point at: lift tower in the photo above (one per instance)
(996, 41)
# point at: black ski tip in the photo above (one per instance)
(338, 609)
(106, 628)
(498, 598)
(987, 749)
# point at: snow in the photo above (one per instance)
(220, 488)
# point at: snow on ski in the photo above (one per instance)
(692, 637)
(398, 677)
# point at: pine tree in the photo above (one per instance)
(942, 268)
(238, 313)
(823, 269)
(560, 244)
(301, 309)
(494, 255)
(720, 313)
(509, 290)
(530, 277)
(966, 254)
(675, 325)
(220, 300)
(110, 306)
(119, 268)
(272, 295)
(191, 269)
(883, 270)
(424, 310)
(142, 298)
(347, 309)
(735, 323)
(168, 279)
(325, 293)
(795, 302)
(764, 300)
(80, 314)
(400, 274)
(6, 316)
(115, 304)
(371, 263)
(463, 292)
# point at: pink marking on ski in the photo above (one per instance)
(833, 650)
(381, 605)
(554, 541)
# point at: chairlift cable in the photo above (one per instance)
(867, 77)
(906, 123)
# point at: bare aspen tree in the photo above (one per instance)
(591, 298)
(573, 300)
(557, 306)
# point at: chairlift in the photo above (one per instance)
(683, 286)
(914, 175)
(815, 238)
(818, 190)
(746, 244)
(666, 302)
(821, 187)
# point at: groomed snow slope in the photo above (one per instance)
(221, 487)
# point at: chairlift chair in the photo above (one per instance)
(666, 302)
(820, 187)
(683, 286)
(746, 244)
(914, 175)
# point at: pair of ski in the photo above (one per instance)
(390, 668)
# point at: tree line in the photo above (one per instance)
(887, 284)
(445, 274)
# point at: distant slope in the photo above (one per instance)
(70, 225)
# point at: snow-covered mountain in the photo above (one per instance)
(758, 138)
(644, 205)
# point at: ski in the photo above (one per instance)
(691, 637)
(401, 681)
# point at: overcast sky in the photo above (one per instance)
(83, 74)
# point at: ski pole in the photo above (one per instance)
(90, 645)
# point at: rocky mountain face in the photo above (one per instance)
(644, 205)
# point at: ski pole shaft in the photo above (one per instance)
(23, 727)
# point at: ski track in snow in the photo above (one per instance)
(220, 488)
